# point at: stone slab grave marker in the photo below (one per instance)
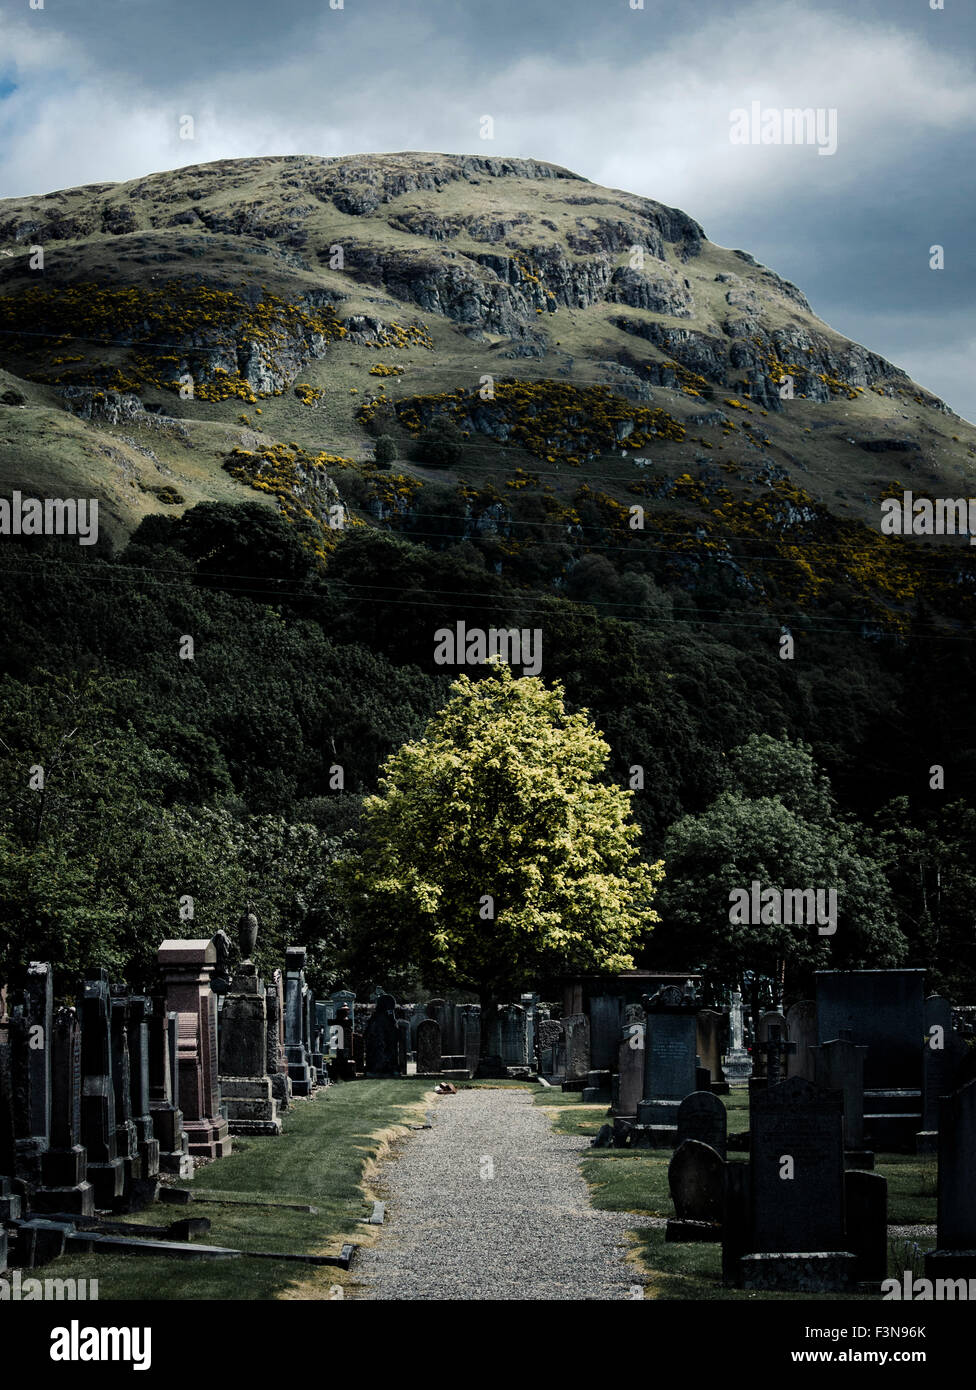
(549, 1034)
(797, 1238)
(245, 1082)
(381, 1039)
(801, 1028)
(839, 1066)
(884, 1011)
(711, 1028)
(64, 1165)
(98, 1127)
(296, 1052)
(511, 1036)
(629, 1079)
(606, 1013)
(428, 1047)
(776, 1051)
(127, 1137)
(140, 1012)
(670, 1036)
(576, 1042)
(277, 1062)
(737, 1064)
(186, 968)
(164, 1092)
(942, 1054)
(702, 1116)
(955, 1257)
(696, 1178)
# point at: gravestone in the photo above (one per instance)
(140, 1012)
(670, 1036)
(696, 1177)
(866, 1202)
(702, 1116)
(164, 1097)
(428, 1047)
(773, 1018)
(530, 1003)
(942, 1053)
(549, 1035)
(381, 1039)
(64, 1164)
(296, 1053)
(776, 1052)
(126, 1138)
(955, 1257)
(711, 1027)
(277, 1062)
(606, 1013)
(629, 1081)
(39, 1003)
(801, 1028)
(469, 1034)
(403, 1045)
(883, 1011)
(576, 1041)
(245, 1082)
(839, 1066)
(186, 968)
(98, 1128)
(28, 1146)
(511, 1040)
(737, 1064)
(797, 1240)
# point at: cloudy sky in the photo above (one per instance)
(639, 99)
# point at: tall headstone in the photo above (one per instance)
(942, 1053)
(711, 1028)
(64, 1164)
(955, 1257)
(801, 1028)
(140, 1012)
(245, 1083)
(277, 1063)
(428, 1047)
(39, 1002)
(512, 1036)
(576, 1039)
(884, 1011)
(548, 1041)
(164, 1097)
(629, 1083)
(98, 1126)
(737, 1064)
(381, 1041)
(703, 1117)
(771, 1019)
(469, 1028)
(403, 1045)
(670, 1037)
(126, 1137)
(530, 1003)
(606, 1013)
(798, 1236)
(296, 1052)
(186, 968)
(839, 1066)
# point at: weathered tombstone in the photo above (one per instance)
(98, 1129)
(606, 1013)
(702, 1116)
(140, 1012)
(28, 1146)
(955, 1257)
(696, 1177)
(549, 1034)
(164, 1097)
(576, 1038)
(776, 1052)
(296, 1053)
(186, 968)
(629, 1082)
(39, 1002)
(773, 1018)
(710, 1031)
(801, 1028)
(943, 1051)
(866, 1202)
(512, 1043)
(245, 1083)
(428, 1047)
(381, 1039)
(277, 1061)
(798, 1239)
(403, 1045)
(884, 1011)
(469, 1028)
(64, 1164)
(669, 1062)
(530, 1003)
(126, 1138)
(839, 1066)
(737, 1064)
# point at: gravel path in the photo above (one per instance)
(490, 1204)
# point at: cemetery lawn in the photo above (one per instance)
(319, 1160)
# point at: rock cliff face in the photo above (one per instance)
(256, 281)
